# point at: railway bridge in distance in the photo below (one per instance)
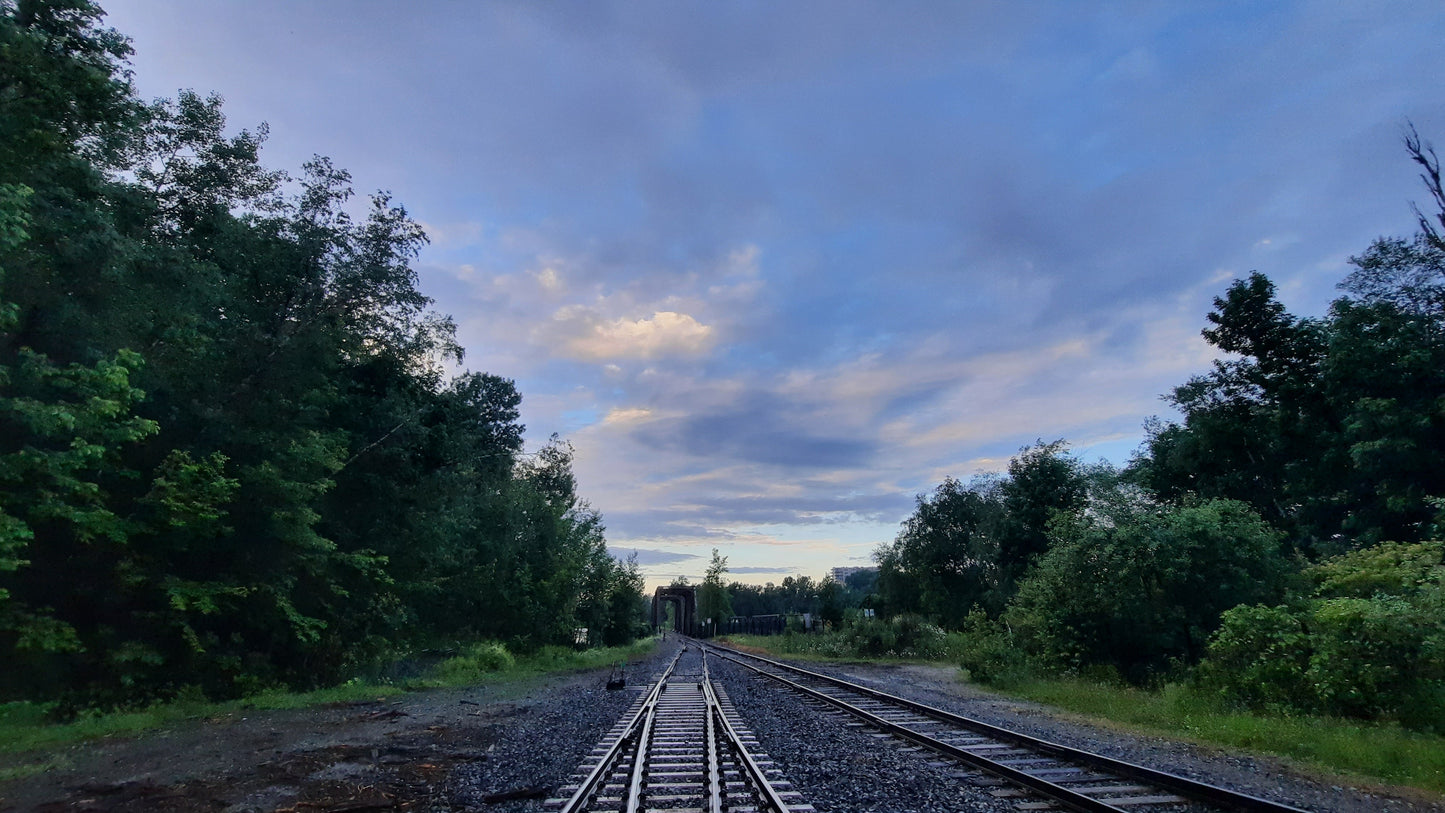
(684, 602)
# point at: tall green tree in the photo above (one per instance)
(230, 456)
(1043, 480)
(714, 604)
(946, 559)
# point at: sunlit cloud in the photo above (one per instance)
(577, 332)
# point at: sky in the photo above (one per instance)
(775, 269)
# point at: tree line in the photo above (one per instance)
(1277, 542)
(230, 456)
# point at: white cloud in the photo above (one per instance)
(549, 279)
(625, 415)
(577, 332)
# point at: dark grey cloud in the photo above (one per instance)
(762, 429)
(812, 509)
(648, 556)
(663, 525)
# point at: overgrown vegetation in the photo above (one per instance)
(1372, 750)
(1366, 638)
(905, 637)
(230, 459)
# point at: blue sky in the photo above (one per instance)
(776, 268)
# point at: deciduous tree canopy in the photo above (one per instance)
(229, 455)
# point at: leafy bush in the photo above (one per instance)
(1368, 642)
(1259, 657)
(903, 636)
(1140, 586)
(988, 652)
(907, 637)
(475, 660)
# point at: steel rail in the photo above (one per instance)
(1198, 791)
(714, 776)
(639, 762)
(590, 785)
(767, 795)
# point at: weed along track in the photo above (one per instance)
(1029, 773)
(681, 747)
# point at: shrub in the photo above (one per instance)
(1258, 658)
(988, 652)
(1367, 643)
(903, 636)
(475, 660)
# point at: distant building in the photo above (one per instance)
(842, 573)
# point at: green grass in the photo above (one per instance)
(26, 727)
(1373, 752)
(1377, 751)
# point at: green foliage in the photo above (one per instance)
(1137, 585)
(476, 660)
(1043, 480)
(989, 653)
(904, 636)
(1366, 641)
(713, 602)
(947, 557)
(802, 594)
(287, 489)
(1327, 427)
(968, 546)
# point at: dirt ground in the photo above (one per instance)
(389, 754)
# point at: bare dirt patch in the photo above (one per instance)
(393, 754)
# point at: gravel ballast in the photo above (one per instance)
(838, 767)
(539, 748)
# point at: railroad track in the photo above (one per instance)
(682, 747)
(1045, 775)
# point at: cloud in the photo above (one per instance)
(549, 279)
(621, 415)
(577, 332)
(647, 556)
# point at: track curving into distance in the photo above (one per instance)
(1051, 775)
(682, 747)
